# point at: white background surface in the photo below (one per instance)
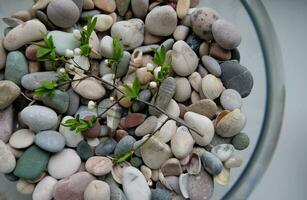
(286, 177)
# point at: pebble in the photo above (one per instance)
(194, 42)
(195, 81)
(63, 41)
(167, 131)
(73, 187)
(205, 107)
(171, 182)
(44, 189)
(230, 100)
(183, 185)
(44, 19)
(151, 39)
(136, 162)
(108, 6)
(6, 123)
(212, 86)
(159, 194)
(16, 66)
(64, 164)
(122, 6)
(123, 65)
(161, 21)
(132, 120)
(182, 143)
(11, 177)
(93, 142)
(171, 167)
(182, 8)
(24, 34)
(51, 141)
(57, 9)
(204, 49)
(144, 76)
(181, 32)
(144, 95)
(124, 145)
(39, 118)
(88, 88)
(237, 77)
(32, 163)
(135, 185)
(94, 131)
(165, 94)
(59, 101)
(235, 54)
(223, 177)
(32, 81)
(183, 89)
(22, 138)
(74, 101)
(106, 46)
(147, 127)
(2, 54)
(203, 125)
(84, 150)
(9, 92)
(11, 21)
(226, 34)
(130, 33)
(202, 20)
(211, 163)
(98, 165)
(88, 5)
(79, 4)
(240, 141)
(200, 186)
(24, 187)
(155, 153)
(211, 65)
(185, 60)
(89, 13)
(223, 151)
(71, 137)
(97, 190)
(116, 192)
(7, 159)
(233, 161)
(40, 4)
(139, 8)
(172, 110)
(104, 22)
(229, 124)
(31, 51)
(219, 53)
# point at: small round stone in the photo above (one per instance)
(240, 141)
(211, 65)
(105, 148)
(22, 138)
(183, 89)
(98, 165)
(230, 99)
(97, 190)
(211, 163)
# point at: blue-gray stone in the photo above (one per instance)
(211, 163)
(11, 177)
(39, 118)
(159, 194)
(103, 105)
(104, 131)
(123, 65)
(74, 101)
(51, 141)
(194, 42)
(115, 191)
(136, 162)
(106, 148)
(212, 65)
(79, 4)
(84, 150)
(124, 145)
(144, 95)
(16, 66)
(84, 111)
(59, 101)
(32, 81)
(85, 14)
(168, 44)
(63, 41)
(237, 77)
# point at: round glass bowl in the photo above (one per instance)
(263, 108)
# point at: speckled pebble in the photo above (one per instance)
(240, 141)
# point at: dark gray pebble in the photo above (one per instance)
(84, 150)
(106, 148)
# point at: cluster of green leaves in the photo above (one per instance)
(123, 157)
(133, 91)
(160, 59)
(46, 52)
(80, 125)
(47, 88)
(118, 51)
(85, 36)
(63, 77)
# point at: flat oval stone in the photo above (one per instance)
(130, 32)
(44, 189)
(229, 124)
(73, 187)
(147, 127)
(22, 138)
(9, 92)
(97, 190)
(124, 145)
(123, 65)
(230, 99)
(84, 150)
(144, 95)
(63, 41)
(106, 148)
(211, 163)
(161, 21)
(7, 159)
(6, 123)
(63, 14)
(16, 66)
(74, 101)
(104, 22)
(32, 163)
(233, 161)
(240, 141)
(59, 101)
(182, 143)
(106, 45)
(219, 53)
(71, 137)
(24, 34)
(183, 89)
(39, 118)
(64, 164)
(32, 81)
(139, 8)
(51, 141)
(200, 186)
(205, 107)
(135, 185)
(202, 20)
(226, 34)
(122, 6)
(235, 76)
(44, 19)
(98, 165)
(105, 5)
(167, 131)
(89, 88)
(181, 32)
(185, 60)
(132, 120)
(211, 65)
(155, 153)
(182, 8)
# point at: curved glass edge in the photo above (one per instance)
(275, 100)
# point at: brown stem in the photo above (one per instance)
(25, 96)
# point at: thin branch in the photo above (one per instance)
(108, 108)
(26, 97)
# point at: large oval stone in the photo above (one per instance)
(50, 141)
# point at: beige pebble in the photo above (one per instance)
(25, 188)
(182, 8)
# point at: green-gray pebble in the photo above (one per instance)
(16, 67)
(240, 141)
(84, 150)
(136, 162)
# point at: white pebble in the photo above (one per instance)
(69, 53)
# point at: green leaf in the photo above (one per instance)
(123, 157)
(80, 125)
(133, 91)
(42, 51)
(48, 84)
(118, 51)
(85, 49)
(159, 56)
(136, 86)
(86, 34)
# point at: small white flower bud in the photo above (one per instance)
(62, 70)
(77, 34)
(91, 105)
(69, 53)
(77, 51)
(153, 84)
(70, 68)
(150, 67)
(112, 98)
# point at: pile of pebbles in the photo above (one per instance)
(205, 90)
